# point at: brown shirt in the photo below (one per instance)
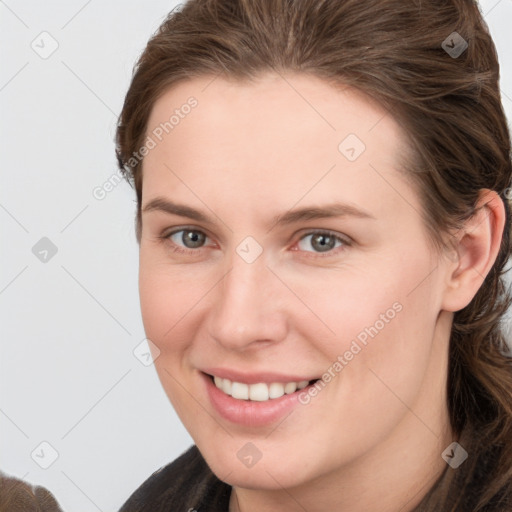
(19, 496)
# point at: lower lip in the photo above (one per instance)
(248, 412)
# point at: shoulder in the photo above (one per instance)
(186, 484)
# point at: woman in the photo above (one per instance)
(323, 227)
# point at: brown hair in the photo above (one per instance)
(448, 105)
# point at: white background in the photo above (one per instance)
(69, 326)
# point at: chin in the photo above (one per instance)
(273, 472)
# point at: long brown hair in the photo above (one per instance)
(411, 57)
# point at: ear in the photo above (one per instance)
(476, 245)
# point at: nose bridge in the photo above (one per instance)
(247, 308)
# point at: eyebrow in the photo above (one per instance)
(330, 210)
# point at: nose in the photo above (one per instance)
(249, 310)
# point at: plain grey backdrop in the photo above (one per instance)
(81, 409)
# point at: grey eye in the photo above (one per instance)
(191, 239)
(321, 242)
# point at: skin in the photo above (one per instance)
(372, 438)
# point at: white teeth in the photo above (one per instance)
(239, 390)
(226, 386)
(291, 387)
(260, 392)
(276, 390)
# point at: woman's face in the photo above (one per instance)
(294, 251)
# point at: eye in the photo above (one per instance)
(321, 242)
(186, 240)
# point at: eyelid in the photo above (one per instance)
(319, 231)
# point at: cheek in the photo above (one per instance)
(158, 304)
(392, 333)
(379, 299)
(381, 319)
(161, 311)
(168, 294)
(168, 303)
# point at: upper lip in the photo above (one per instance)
(255, 377)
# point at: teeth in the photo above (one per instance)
(239, 390)
(276, 390)
(226, 386)
(260, 392)
(291, 387)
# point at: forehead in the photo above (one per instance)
(270, 102)
(290, 135)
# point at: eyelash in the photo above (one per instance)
(311, 254)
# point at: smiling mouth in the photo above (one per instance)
(260, 392)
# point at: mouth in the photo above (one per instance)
(258, 392)
(254, 400)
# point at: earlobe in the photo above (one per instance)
(477, 246)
